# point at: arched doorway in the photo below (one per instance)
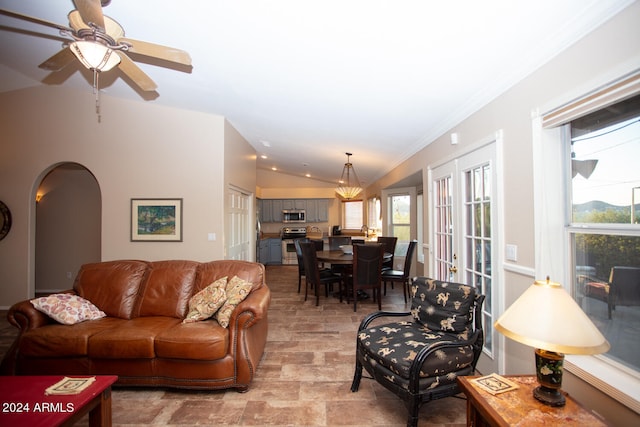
(68, 226)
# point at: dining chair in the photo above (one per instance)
(401, 276)
(389, 243)
(336, 241)
(314, 276)
(367, 271)
(296, 243)
(334, 245)
(419, 353)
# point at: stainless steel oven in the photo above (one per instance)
(289, 252)
(289, 234)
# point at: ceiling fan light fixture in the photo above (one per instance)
(349, 188)
(94, 55)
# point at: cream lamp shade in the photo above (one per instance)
(546, 317)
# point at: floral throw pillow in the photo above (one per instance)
(67, 309)
(205, 303)
(237, 291)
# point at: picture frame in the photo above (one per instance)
(156, 220)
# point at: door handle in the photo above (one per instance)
(453, 269)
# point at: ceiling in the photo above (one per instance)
(306, 81)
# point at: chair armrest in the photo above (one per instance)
(371, 317)
(425, 352)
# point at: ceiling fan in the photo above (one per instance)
(99, 43)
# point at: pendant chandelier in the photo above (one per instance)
(349, 187)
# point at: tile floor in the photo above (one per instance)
(304, 378)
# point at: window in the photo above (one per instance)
(374, 214)
(604, 224)
(352, 214)
(400, 225)
(563, 250)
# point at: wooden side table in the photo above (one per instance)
(519, 407)
(23, 402)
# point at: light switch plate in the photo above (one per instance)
(511, 253)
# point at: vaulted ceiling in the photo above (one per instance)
(305, 81)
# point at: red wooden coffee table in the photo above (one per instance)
(23, 402)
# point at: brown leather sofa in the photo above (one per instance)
(143, 339)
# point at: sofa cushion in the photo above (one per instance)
(67, 309)
(206, 302)
(167, 290)
(133, 339)
(205, 340)
(237, 290)
(112, 285)
(441, 306)
(57, 340)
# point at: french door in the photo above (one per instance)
(464, 214)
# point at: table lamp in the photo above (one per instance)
(547, 318)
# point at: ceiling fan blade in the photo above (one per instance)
(34, 20)
(76, 22)
(135, 73)
(112, 28)
(157, 51)
(90, 11)
(59, 60)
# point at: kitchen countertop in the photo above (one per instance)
(270, 236)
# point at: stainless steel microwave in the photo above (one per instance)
(297, 215)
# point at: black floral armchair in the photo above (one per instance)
(418, 358)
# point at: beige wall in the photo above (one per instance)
(139, 150)
(604, 55)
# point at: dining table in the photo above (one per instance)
(339, 257)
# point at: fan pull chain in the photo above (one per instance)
(96, 91)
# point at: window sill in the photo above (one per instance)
(615, 382)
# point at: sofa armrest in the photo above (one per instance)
(248, 329)
(256, 303)
(24, 316)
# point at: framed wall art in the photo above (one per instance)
(156, 220)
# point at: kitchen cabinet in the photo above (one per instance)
(323, 210)
(271, 209)
(297, 204)
(276, 212)
(317, 210)
(270, 251)
(263, 250)
(266, 214)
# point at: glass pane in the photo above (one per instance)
(487, 324)
(607, 286)
(477, 184)
(604, 164)
(486, 172)
(487, 220)
(400, 209)
(487, 257)
(353, 214)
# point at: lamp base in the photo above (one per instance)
(549, 375)
(549, 396)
